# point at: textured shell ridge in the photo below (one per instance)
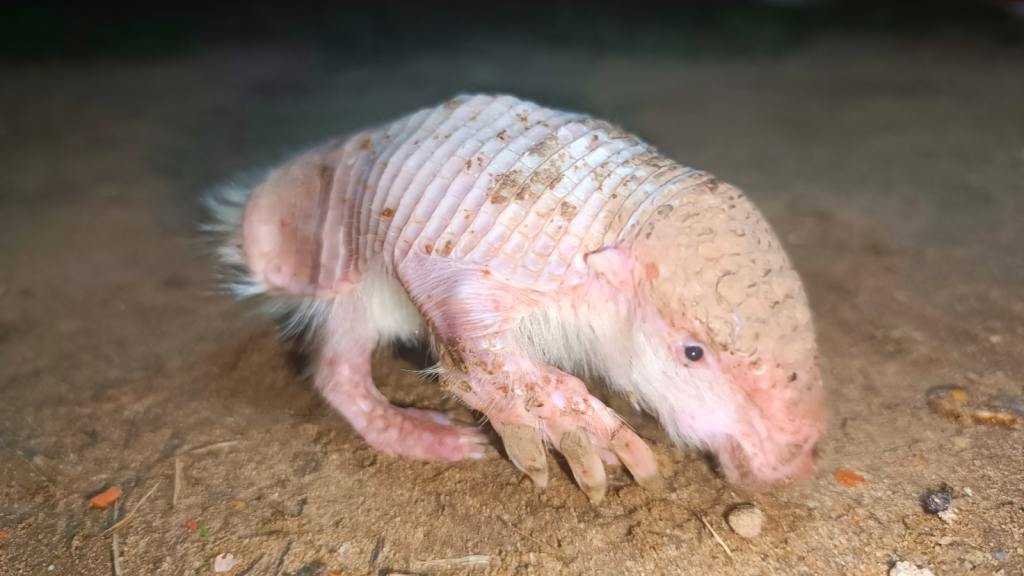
(497, 182)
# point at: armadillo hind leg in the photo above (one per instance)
(529, 403)
(343, 377)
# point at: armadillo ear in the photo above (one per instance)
(613, 266)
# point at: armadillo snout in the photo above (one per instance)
(748, 467)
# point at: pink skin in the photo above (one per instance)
(474, 309)
(271, 233)
(472, 317)
(704, 244)
(776, 440)
(343, 377)
(780, 406)
(486, 369)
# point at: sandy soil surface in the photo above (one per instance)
(893, 170)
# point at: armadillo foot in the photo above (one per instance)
(424, 435)
(344, 381)
(587, 433)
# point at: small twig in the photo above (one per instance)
(213, 447)
(114, 545)
(131, 515)
(450, 563)
(715, 534)
(517, 531)
(435, 476)
(377, 549)
(177, 481)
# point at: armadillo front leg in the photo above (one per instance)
(343, 378)
(530, 404)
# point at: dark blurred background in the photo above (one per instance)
(51, 30)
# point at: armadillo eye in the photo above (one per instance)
(694, 353)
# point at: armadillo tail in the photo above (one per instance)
(221, 229)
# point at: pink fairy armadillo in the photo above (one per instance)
(527, 243)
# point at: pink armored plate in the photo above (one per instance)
(529, 245)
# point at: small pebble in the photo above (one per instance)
(746, 521)
(223, 563)
(1000, 556)
(935, 501)
(908, 569)
(961, 442)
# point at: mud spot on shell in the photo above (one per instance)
(506, 182)
(545, 147)
(601, 173)
(447, 248)
(502, 136)
(429, 249)
(387, 213)
(732, 288)
(543, 176)
(567, 210)
(452, 104)
(366, 144)
(525, 193)
(463, 386)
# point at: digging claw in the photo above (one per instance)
(637, 456)
(586, 464)
(525, 449)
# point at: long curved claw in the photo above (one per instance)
(637, 456)
(525, 449)
(586, 464)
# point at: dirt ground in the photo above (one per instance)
(893, 170)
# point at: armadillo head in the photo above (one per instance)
(725, 353)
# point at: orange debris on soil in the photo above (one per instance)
(849, 478)
(192, 526)
(106, 498)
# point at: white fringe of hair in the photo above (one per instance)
(297, 318)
